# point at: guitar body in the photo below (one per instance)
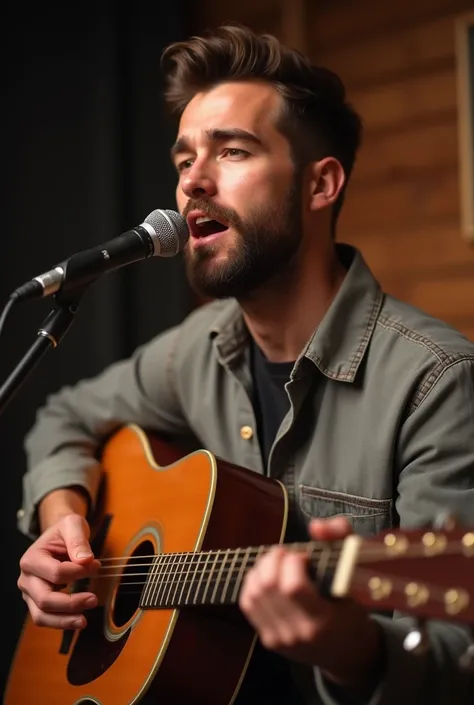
(154, 501)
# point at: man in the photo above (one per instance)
(302, 368)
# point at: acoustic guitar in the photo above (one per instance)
(175, 537)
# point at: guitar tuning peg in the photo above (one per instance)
(416, 641)
(466, 662)
(445, 520)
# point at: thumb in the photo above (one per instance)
(75, 533)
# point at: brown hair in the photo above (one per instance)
(316, 118)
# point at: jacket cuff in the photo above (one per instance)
(56, 472)
(411, 679)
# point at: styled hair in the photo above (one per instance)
(316, 118)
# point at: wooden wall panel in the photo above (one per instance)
(403, 205)
(398, 62)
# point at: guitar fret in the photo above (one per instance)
(210, 577)
(146, 587)
(169, 579)
(240, 574)
(187, 579)
(192, 579)
(177, 577)
(230, 577)
(152, 582)
(161, 583)
(208, 583)
(219, 576)
(203, 571)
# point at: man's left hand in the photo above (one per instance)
(291, 617)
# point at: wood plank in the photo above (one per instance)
(425, 197)
(442, 298)
(260, 15)
(465, 122)
(381, 59)
(414, 252)
(396, 154)
(447, 299)
(344, 21)
(409, 101)
(466, 327)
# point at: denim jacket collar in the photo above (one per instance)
(337, 347)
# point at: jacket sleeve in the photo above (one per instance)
(62, 446)
(435, 462)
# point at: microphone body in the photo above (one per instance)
(163, 233)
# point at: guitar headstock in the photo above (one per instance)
(427, 573)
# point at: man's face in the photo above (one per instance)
(235, 167)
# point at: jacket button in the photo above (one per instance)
(20, 514)
(246, 433)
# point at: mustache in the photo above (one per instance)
(212, 210)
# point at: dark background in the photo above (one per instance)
(85, 156)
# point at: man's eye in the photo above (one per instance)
(234, 152)
(185, 164)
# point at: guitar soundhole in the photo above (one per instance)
(132, 582)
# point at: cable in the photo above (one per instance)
(6, 311)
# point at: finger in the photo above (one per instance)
(259, 583)
(267, 568)
(295, 581)
(329, 529)
(39, 562)
(52, 601)
(75, 532)
(53, 620)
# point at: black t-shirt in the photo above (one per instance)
(268, 677)
(270, 400)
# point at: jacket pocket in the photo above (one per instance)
(366, 515)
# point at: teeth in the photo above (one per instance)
(203, 219)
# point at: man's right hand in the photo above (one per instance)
(61, 555)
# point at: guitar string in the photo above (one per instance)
(367, 555)
(360, 578)
(296, 546)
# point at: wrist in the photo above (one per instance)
(61, 502)
(363, 667)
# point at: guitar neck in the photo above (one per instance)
(214, 577)
(423, 572)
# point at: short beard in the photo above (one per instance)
(268, 241)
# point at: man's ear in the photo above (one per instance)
(326, 181)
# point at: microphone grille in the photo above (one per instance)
(171, 231)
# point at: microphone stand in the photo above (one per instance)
(50, 334)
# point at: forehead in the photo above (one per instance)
(249, 105)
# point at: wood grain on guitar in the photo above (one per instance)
(175, 536)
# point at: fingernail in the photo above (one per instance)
(91, 601)
(77, 624)
(83, 554)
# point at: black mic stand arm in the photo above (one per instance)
(50, 334)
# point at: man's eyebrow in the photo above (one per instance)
(216, 135)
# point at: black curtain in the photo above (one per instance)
(85, 157)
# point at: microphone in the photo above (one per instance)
(163, 233)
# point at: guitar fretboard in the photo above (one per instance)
(212, 577)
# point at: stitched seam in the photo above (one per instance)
(410, 335)
(359, 353)
(429, 382)
(355, 500)
(372, 515)
(365, 338)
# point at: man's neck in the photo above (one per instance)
(283, 316)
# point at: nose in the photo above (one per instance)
(198, 182)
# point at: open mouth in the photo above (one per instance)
(204, 227)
